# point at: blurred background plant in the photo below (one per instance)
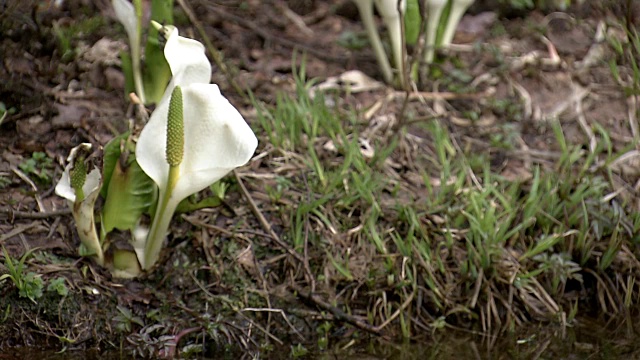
(38, 165)
(147, 79)
(435, 21)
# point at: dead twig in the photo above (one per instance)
(264, 223)
(234, 308)
(26, 179)
(632, 106)
(294, 18)
(337, 313)
(16, 214)
(17, 230)
(444, 95)
(397, 313)
(307, 268)
(584, 125)
(281, 312)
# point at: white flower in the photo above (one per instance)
(392, 18)
(434, 8)
(458, 8)
(126, 14)
(216, 138)
(365, 8)
(82, 202)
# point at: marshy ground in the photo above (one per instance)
(499, 194)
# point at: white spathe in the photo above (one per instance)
(91, 184)
(217, 139)
(365, 8)
(126, 14)
(392, 17)
(434, 12)
(458, 8)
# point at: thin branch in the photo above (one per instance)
(26, 179)
(263, 221)
(17, 230)
(337, 313)
(16, 214)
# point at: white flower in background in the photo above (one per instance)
(392, 17)
(81, 191)
(434, 12)
(458, 8)
(210, 140)
(435, 9)
(130, 19)
(365, 8)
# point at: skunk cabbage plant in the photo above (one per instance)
(193, 138)
(392, 12)
(434, 12)
(443, 17)
(81, 191)
(151, 80)
(458, 8)
(130, 18)
(365, 8)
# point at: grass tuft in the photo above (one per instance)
(462, 246)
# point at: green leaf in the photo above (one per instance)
(444, 20)
(542, 245)
(112, 152)
(125, 264)
(157, 73)
(186, 205)
(412, 22)
(127, 70)
(131, 192)
(342, 269)
(59, 285)
(32, 287)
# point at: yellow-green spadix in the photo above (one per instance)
(216, 139)
(175, 129)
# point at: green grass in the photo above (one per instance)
(475, 247)
(29, 284)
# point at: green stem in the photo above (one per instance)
(136, 54)
(394, 27)
(435, 8)
(366, 14)
(79, 194)
(161, 220)
(85, 224)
